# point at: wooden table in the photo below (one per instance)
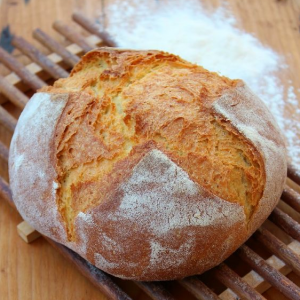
(37, 271)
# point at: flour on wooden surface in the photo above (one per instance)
(213, 40)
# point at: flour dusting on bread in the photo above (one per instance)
(250, 116)
(157, 188)
(31, 170)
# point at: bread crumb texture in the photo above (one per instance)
(123, 101)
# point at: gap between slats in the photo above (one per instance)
(34, 68)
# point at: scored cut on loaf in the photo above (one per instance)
(148, 166)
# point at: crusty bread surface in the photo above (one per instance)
(148, 166)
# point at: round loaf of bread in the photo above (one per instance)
(148, 166)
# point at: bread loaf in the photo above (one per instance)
(148, 166)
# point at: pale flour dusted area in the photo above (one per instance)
(211, 39)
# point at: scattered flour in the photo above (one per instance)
(19, 159)
(102, 263)
(86, 218)
(82, 221)
(158, 254)
(40, 115)
(212, 40)
(55, 185)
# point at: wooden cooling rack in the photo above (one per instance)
(263, 262)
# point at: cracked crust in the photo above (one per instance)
(153, 168)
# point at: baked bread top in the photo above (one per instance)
(143, 157)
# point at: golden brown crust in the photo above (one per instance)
(252, 119)
(151, 165)
(176, 113)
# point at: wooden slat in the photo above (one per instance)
(259, 283)
(34, 68)
(72, 35)
(94, 28)
(12, 93)
(7, 120)
(291, 197)
(45, 39)
(197, 288)
(230, 279)
(155, 290)
(5, 192)
(277, 247)
(293, 173)
(274, 277)
(29, 78)
(38, 57)
(3, 151)
(285, 222)
(27, 233)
